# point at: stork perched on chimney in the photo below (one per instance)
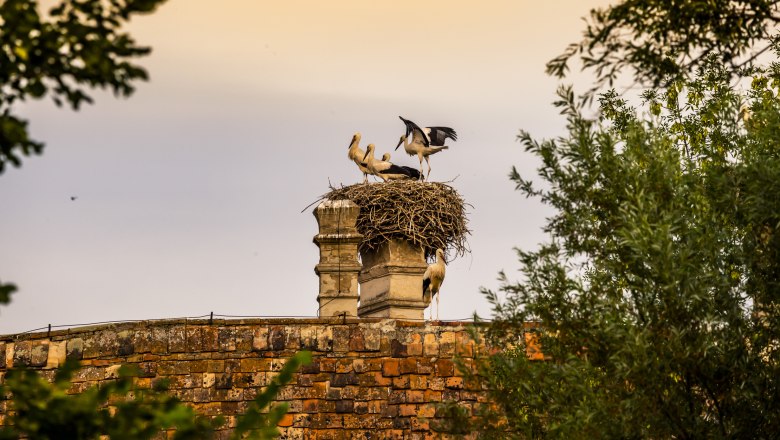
(425, 141)
(356, 155)
(386, 170)
(432, 280)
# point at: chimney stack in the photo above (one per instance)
(391, 281)
(338, 268)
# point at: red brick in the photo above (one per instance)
(343, 365)
(417, 382)
(254, 365)
(356, 342)
(407, 409)
(374, 364)
(454, 382)
(328, 365)
(432, 396)
(310, 405)
(401, 382)
(287, 420)
(408, 365)
(319, 390)
(427, 411)
(391, 367)
(414, 349)
(444, 368)
(415, 396)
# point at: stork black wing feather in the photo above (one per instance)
(411, 126)
(395, 169)
(426, 283)
(414, 173)
(439, 135)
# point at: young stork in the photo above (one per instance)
(432, 280)
(386, 170)
(425, 141)
(412, 172)
(356, 155)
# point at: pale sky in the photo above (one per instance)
(189, 193)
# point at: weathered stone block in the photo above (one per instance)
(22, 355)
(276, 338)
(340, 338)
(260, 339)
(227, 339)
(210, 338)
(177, 339)
(223, 381)
(325, 338)
(39, 354)
(244, 339)
(159, 340)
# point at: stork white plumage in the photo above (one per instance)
(386, 170)
(425, 141)
(356, 155)
(433, 279)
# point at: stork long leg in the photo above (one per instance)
(429, 168)
(437, 306)
(421, 157)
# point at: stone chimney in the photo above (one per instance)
(338, 268)
(391, 281)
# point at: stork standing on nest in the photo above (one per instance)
(386, 170)
(356, 155)
(425, 141)
(432, 280)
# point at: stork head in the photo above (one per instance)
(386, 157)
(355, 139)
(400, 141)
(440, 255)
(369, 151)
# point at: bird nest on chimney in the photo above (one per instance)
(428, 214)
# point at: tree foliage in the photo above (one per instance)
(654, 40)
(44, 410)
(78, 45)
(657, 293)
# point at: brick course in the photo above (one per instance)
(370, 378)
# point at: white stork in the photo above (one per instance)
(432, 280)
(425, 141)
(356, 155)
(386, 170)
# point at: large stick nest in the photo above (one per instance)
(429, 214)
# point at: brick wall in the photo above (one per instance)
(370, 378)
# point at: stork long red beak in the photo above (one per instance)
(365, 156)
(400, 141)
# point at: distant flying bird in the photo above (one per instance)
(386, 170)
(425, 141)
(72, 198)
(356, 155)
(432, 280)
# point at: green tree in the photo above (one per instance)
(656, 296)
(655, 299)
(78, 45)
(655, 40)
